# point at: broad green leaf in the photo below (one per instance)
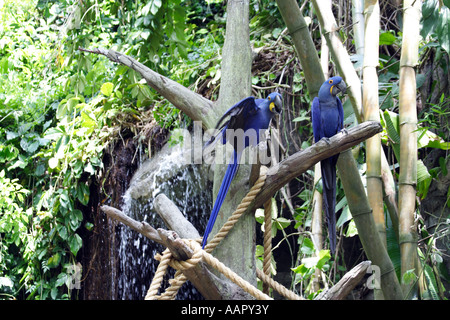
(83, 193)
(387, 38)
(107, 89)
(75, 243)
(307, 247)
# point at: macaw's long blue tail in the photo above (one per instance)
(328, 168)
(228, 177)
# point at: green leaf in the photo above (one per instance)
(83, 193)
(54, 260)
(75, 243)
(307, 247)
(107, 89)
(301, 118)
(344, 217)
(324, 256)
(387, 38)
(281, 223)
(409, 276)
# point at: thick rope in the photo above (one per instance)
(164, 260)
(245, 202)
(277, 286)
(267, 257)
(199, 254)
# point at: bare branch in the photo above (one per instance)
(350, 280)
(191, 103)
(141, 227)
(299, 162)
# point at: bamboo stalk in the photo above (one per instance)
(365, 223)
(408, 140)
(316, 217)
(358, 25)
(372, 112)
(304, 45)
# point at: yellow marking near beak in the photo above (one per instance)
(331, 90)
(271, 106)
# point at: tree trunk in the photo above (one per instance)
(237, 250)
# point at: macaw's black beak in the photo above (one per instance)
(278, 104)
(340, 87)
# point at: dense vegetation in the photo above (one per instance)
(61, 110)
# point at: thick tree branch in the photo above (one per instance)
(142, 227)
(191, 103)
(350, 280)
(299, 162)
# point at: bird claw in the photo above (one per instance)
(327, 140)
(344, 130)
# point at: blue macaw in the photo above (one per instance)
(327, 120)
(247, 120)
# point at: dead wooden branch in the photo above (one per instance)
(194, 105)
(349, 281)
(301, 161)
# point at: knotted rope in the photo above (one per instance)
(179, 279)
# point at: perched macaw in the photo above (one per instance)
(327, 120)
(247, 119)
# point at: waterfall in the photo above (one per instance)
(170, 172)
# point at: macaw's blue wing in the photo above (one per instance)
(237, 116)
(246, 117)
(228, 177)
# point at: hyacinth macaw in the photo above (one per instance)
(327, 120)
(247, 120)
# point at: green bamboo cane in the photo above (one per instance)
(372, 112)
(365, 223)
(408, 140)
(348, 171)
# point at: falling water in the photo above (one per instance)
(187, 185)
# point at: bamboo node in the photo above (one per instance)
(361, 213)
(297, 29)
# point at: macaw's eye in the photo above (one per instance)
(268, 98)
(330, 81)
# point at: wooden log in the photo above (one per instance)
(349, 281)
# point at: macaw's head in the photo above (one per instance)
(332, 87)
(275, 102)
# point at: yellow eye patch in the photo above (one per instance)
(271, 106)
